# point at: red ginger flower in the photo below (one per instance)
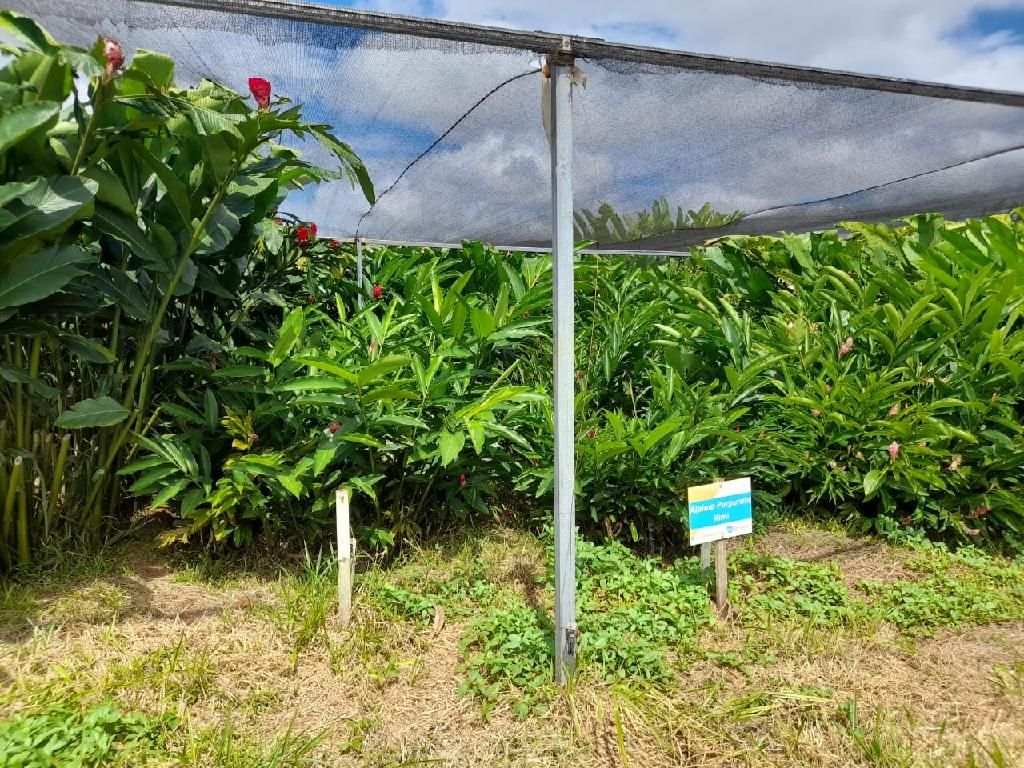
(592, 434)
(894, 450)
(306, 233)
(260, 90)
(114, 54)
(335, 244)
(378, 291)
(311, 298)
(462, 481)
(333, 427)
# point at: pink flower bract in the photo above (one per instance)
(894, 450)
(846, 348)
(114, 54)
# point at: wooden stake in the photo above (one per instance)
(344, 558)
(705, 556)
(721, 578)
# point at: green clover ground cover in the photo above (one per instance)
(641, 619)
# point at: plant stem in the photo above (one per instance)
(24, 553)
(8, 518)
(90, 127)
(33, 374)
(57, 482)
(154, 326)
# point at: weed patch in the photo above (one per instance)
(66, 735)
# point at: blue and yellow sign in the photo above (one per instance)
(720, 510)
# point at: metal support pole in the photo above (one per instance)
(359, 271)
(564, 365)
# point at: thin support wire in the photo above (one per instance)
(441, 138)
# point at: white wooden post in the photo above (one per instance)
(344, 558)
(721, 579)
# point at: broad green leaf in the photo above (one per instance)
(872, 481)
(157, 67)
(189, 502)
(35, 276)
(138, 466)
(240, 372)
(87, 349)
(312, 384)
(14, 375)
(327, 366)
(26, 31)
(22, 120)
(292, 484)
(351, 165)
(48, 205)
(494, 399)
(402, 421)
(149, 480)
(82, 62)
(381, 367)
(95, 412)
(323, 457)
(210, 409)
(389, 393)
(168, 493)
(174, 188)
(290, 332)
(125, 228)
(362, 439)
(185, 414)
(450, 445)
(110, 190)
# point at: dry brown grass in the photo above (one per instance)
(387, 693)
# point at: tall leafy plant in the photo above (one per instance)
(128, 210)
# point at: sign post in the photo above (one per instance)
(720, 511)
(345, 561)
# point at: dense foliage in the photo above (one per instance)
(875, 377)
(129, 211)
(164, 326)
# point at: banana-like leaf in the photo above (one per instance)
(36, 276)
(94, 412)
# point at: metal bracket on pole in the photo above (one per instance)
(560, 71)
(359, 272)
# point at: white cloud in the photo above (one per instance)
(692, 137)
(903, 38)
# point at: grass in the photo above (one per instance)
(838, 652)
